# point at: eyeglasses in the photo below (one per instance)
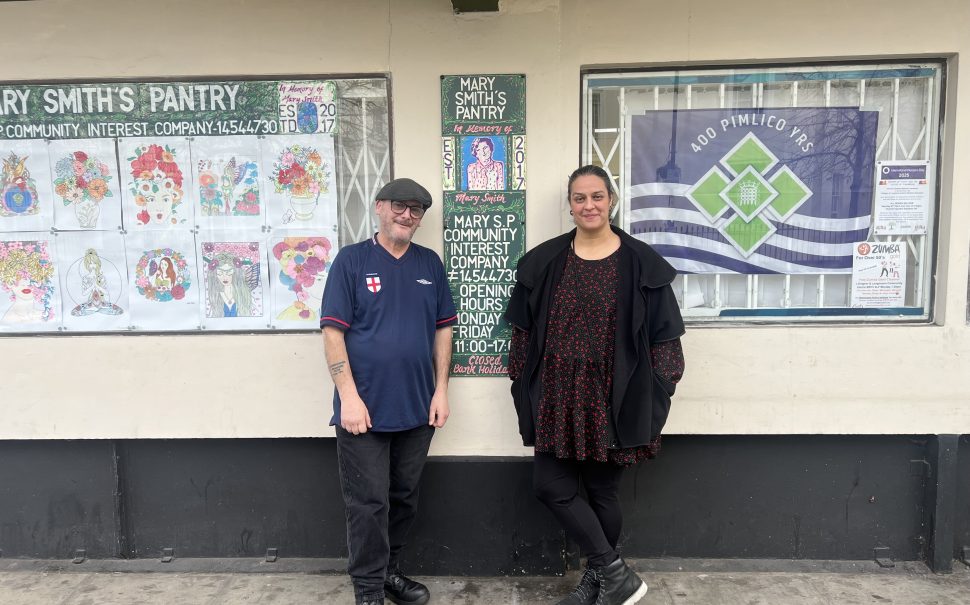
(398, 207)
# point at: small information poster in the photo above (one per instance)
(879, 274)
(484, 180)
(902, 197)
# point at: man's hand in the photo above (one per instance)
(439, 411)
(354, 417)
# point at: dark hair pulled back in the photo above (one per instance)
(591, 170)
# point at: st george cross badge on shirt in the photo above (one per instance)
(373, 283)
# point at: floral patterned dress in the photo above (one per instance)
(491, 176)
(577, 365)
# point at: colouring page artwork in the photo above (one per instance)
(94, 280)
(301, 178)
(29, 293)
(26, 202)
(299, 266)
(87, 191)
(156, 175)
(164, 289)
(227, 178)
(234, 280)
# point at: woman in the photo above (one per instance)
(304, 262)
(594, 359)
(228, 291)
(27, 275)
(156, 186)
(94, 285)
(165, 277)
(485, 172)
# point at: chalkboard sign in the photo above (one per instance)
(484, 180)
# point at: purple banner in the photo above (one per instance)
(785, 190)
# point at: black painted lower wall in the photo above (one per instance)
(790, 497)
(962, 522)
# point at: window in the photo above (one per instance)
(793, 194)
(181, 206)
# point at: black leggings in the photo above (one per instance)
(594, 524)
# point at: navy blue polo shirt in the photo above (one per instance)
(389, 309)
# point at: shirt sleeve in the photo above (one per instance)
(517, 352)
(447, 315)
(338, 295)
(667, 358)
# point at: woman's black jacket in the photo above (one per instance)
(646, 313)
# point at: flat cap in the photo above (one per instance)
(404, 190)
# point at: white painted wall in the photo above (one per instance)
(804, 379)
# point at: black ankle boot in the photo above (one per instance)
(585, 593)
(400, 589)
(619, 585)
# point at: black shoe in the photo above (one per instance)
(585, 593)
(619, 585)
(400, 589)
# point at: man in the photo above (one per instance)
(387, 319)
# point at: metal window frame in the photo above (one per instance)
(365, 172)
(923, 247)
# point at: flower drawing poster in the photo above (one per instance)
(87, 190)
(227, 191)
(299, 264)
(156, 180)
(300, 180)
(30, 298)
(94, 280)
(26, 202)
(233, 280)
(163, 281)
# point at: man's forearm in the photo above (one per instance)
(338, 362)
(442, 357)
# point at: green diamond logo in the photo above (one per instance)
(744, 188)
(706, 194)
(749, 152)
(792, 193)
(746, 236)
(749, 193)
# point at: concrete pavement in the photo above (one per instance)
(672, 582)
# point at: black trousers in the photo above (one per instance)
(379, 476)
(594, 523)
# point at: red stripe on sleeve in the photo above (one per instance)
(339, 321)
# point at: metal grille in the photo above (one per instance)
(908, 129)
(363, 147)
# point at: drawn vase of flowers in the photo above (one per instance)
(82, 181)
(303, 175)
